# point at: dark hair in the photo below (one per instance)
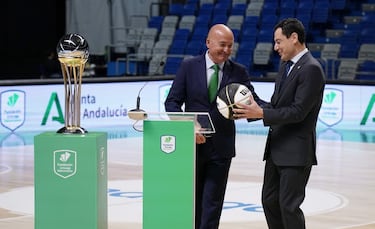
(292, 25)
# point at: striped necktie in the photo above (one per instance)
(212, 86)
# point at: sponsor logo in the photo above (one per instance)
(65, 163)
(331, 112)
(13, 109)
(367, 113)
(54, 99)
(168, 144)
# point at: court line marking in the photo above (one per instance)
(16, 217)
(356, 225)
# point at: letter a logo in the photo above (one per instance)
(368, 111)
(60, 118)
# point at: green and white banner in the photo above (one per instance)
(40, 108)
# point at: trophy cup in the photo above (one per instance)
(73, 52)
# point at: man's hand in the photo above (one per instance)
(199, 138)
(252, 111)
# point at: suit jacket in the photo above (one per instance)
(190, 88)
(293, 114)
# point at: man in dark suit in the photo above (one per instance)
(213, 153)
(291, 115)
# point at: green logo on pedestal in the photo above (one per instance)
(168, 144)
(64, 163)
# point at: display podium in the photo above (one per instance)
(169, 168)
(70, 176)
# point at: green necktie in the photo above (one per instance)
(212, 86)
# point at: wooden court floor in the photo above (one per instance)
(345, 174)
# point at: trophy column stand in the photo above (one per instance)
(70, 165)
(169, 169)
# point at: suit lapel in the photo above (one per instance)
(281, 72)
(226, 73)
(201, 72)
(292, 74)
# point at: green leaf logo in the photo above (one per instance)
(12, 100)
(328, 98)
(168, 139)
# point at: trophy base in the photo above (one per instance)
(72, 130)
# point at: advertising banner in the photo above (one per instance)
(38, 108)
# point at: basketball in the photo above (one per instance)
(229, 95)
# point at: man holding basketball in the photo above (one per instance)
(291, 116)
(213, 153)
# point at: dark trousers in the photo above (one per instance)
(282, 195)
(211, 181)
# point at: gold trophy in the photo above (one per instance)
(73, 52)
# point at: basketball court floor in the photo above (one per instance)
(340, 193)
